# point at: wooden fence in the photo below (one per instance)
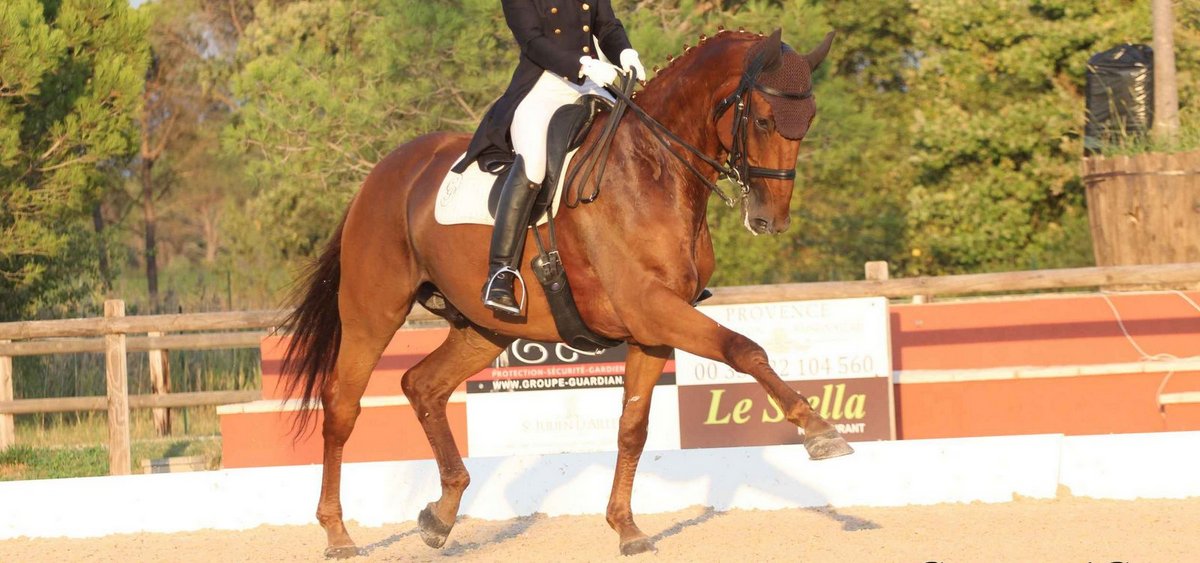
(111, 335)
(211, 331)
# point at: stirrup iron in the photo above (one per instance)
(496, 306)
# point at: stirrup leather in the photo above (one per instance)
(487, 291)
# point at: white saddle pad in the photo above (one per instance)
(463, 198)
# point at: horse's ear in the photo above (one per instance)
(771, 49)
(817, 55)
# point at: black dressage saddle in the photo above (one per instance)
(568, 128)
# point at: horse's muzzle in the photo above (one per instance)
(765, 226)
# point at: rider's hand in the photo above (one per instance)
(631, 63)
(599, 71)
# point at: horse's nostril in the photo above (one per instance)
(761, 225)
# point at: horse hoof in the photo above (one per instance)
(635, 547)
(342, 552)
(433, 531)
(826, 445)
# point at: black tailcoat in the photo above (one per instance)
(552, 35)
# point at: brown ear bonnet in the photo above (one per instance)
(786, 71)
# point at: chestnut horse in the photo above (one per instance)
(637, 258)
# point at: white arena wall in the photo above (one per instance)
(887, 473)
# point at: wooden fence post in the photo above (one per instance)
(8, 434)
(117, 378)
(877, 270)
(160, 383)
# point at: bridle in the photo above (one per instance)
(739, 161)
(736, 167)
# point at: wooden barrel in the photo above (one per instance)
(1144, 209)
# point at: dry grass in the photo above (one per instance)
(91, 428)
(61, 446)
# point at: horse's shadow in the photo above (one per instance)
(850, 523)
(517, 527)
(555, 475)
(768, 479)
(386, 542)
(454, 548)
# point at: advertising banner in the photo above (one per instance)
(741, 414)
(834, 352)
(544, 398)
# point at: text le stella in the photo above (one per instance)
(833, 404)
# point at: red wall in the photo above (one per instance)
(255, 439)
(951, 337)
(1044, 331)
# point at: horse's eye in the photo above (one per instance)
(763, 124)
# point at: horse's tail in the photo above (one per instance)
(316, 331)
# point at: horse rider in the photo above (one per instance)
(558, 40)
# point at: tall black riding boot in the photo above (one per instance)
(508, 240)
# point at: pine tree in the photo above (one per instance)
(70, 85)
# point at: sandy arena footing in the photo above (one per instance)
(1062, 529)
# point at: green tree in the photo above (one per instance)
(70, 83)
(329, 87)
(179, 190)
(998, 110)
(180, 177)
(947, 137)
(327, 91)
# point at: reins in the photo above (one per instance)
(591, 158)
(659, 131)
(737, 167)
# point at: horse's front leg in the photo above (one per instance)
(643, 367)
(666, 319)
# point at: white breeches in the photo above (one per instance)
(532, 118)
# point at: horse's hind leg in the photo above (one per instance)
(428, 386)
(643, 366)
(377, 286)
(363, 341)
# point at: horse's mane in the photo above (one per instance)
(704, 43)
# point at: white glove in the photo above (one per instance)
(631, 63)
(599, 71)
